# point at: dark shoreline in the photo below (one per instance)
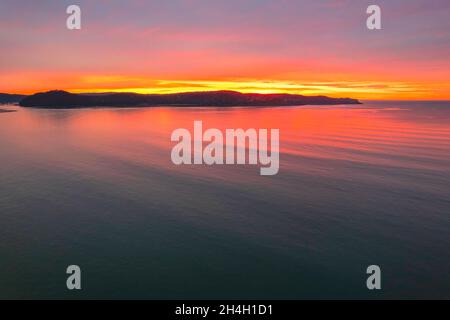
(66, 100)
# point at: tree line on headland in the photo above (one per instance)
(63, 99)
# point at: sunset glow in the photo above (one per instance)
(188, 152)
(315, 48)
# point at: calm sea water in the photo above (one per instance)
(358, 185)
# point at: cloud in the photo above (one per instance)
(136, 43)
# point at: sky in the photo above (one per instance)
(313, 47)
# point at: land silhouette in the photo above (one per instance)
(10, 98)
(63, 99)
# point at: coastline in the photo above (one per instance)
(180, 106)
(58, 99)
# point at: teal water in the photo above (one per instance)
(358, 185)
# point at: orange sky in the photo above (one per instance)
(306, 47)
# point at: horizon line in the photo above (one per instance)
(78, 91)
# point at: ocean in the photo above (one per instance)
(358, 185)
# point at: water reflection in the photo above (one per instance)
(357, 185)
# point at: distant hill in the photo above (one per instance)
(63, 99)
(10, 98)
